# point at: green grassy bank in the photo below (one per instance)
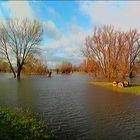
(133, 88)
(18, 125)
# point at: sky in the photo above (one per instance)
(66, 24)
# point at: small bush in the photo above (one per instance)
(17, 125)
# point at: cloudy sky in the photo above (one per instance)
(67, 23)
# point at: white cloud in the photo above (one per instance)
(70, 40)
(51, 30)
(77, 35)
(59, 43)
(52, 11)
(123, 15)
(69, 45)
(19, 9)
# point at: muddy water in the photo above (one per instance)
(73, 108)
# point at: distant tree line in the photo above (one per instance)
(109, 53)
(64, 68)
(35, 65)
(112, 53)
(4, 67)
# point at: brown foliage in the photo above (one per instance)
(34, 65)
(65, 67)
(4, 67)
(89, 66)
(113, 52)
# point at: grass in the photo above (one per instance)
(18, 125)
(133, 88)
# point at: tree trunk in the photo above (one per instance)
(131, 75)
(13, 72)
(19, 72)
(11, 67)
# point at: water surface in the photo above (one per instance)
(74, 109)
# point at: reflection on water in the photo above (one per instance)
(116, 116)
(73, 108)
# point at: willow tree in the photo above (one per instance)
(106, 48)
(115, 52)
(18, 40)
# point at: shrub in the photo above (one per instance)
(17, 125)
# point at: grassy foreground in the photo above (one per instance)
(133, 88)
(17, 125)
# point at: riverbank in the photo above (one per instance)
(133, 88)
(17, 124)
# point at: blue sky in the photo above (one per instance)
(67, 23)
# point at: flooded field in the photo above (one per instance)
(74, 109)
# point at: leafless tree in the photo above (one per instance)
(133, 49)
(114, 51)
(18, 39)
(4, 48)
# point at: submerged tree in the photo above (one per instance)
(65, 67)
(19, 39)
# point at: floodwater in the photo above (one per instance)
(74, 109)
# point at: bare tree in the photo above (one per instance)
(133, 49)
(115, 52)
(18, 39)
(106, 47)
